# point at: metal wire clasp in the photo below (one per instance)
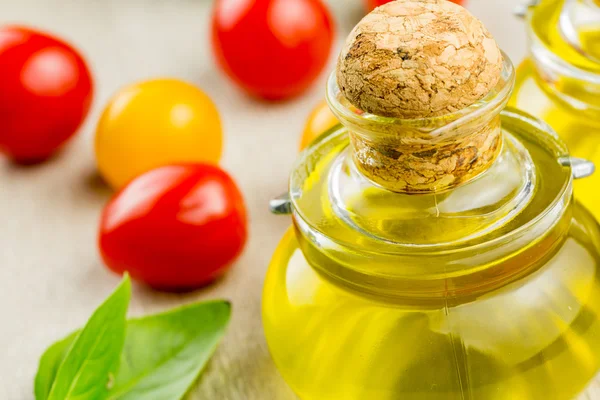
(281, 205)
(580, 167)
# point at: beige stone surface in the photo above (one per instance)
(51, 277)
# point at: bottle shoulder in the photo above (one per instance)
(578, 255)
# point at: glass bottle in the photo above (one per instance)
(487, 288)
(560, 80)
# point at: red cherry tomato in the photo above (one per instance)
(176, 227)
(45, 93)
(371, 4)
(273, 49)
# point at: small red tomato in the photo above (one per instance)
(371, 4)
(46, 90)
(176, 227)
(273, 49)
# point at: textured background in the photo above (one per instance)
(51, 277)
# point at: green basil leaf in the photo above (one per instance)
(80, 368)
(164, 353)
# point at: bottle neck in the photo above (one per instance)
(414, 181)
(429, 155)
(458, 155)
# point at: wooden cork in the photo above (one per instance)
(418, 58)
(421, 60)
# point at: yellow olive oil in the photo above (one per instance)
(534, 339)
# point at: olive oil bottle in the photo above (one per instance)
(437, 256)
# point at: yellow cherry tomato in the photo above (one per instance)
(320, 120)
(153, 123)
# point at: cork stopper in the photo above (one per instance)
(417, 59)
(423, 61)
